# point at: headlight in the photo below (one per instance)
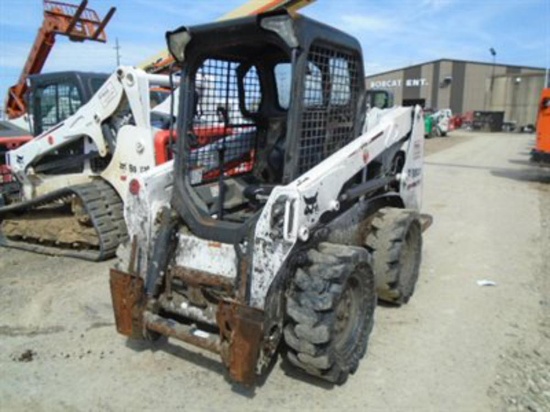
(177, 41)
(283, 25)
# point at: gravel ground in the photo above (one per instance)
(456, 346)
(523, 379)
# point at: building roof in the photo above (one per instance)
(457, 61)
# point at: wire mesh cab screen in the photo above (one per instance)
(220, 129)
(330, 101)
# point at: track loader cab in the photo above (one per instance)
(53, 97)
(264, 237)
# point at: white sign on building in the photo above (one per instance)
(393, 83)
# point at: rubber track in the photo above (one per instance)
(105, 209)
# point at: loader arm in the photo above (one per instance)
(321, 190)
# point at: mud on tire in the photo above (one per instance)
(330, 309)
(395, 241)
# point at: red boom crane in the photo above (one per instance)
(76, 22)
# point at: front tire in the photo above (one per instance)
(330, 311)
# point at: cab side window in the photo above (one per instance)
(56, 102)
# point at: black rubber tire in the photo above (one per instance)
(395, 241)
(330, 312)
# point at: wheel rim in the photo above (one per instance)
(348, 313)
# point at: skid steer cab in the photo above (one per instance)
(286, 226)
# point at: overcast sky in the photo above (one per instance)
(393, 33)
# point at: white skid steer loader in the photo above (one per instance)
(304, 219)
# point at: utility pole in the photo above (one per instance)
(117, 48)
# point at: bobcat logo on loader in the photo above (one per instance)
(311, 204)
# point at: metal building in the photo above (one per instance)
(466, 86)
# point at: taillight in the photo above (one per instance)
(134, 187)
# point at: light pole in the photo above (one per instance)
(494, 54)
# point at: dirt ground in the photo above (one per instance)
(456, 346)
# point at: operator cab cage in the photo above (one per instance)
(53, 97)
(264, 99)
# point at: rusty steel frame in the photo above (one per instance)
(180, 331)
(241, 328)
(127, 294)
(199, 278)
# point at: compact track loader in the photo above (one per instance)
(62, 192)
(289, 230)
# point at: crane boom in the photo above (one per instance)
(76, 22)
(160, 62)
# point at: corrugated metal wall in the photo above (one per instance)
(518, 96)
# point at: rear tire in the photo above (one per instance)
(330, 311)
(395, 241)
